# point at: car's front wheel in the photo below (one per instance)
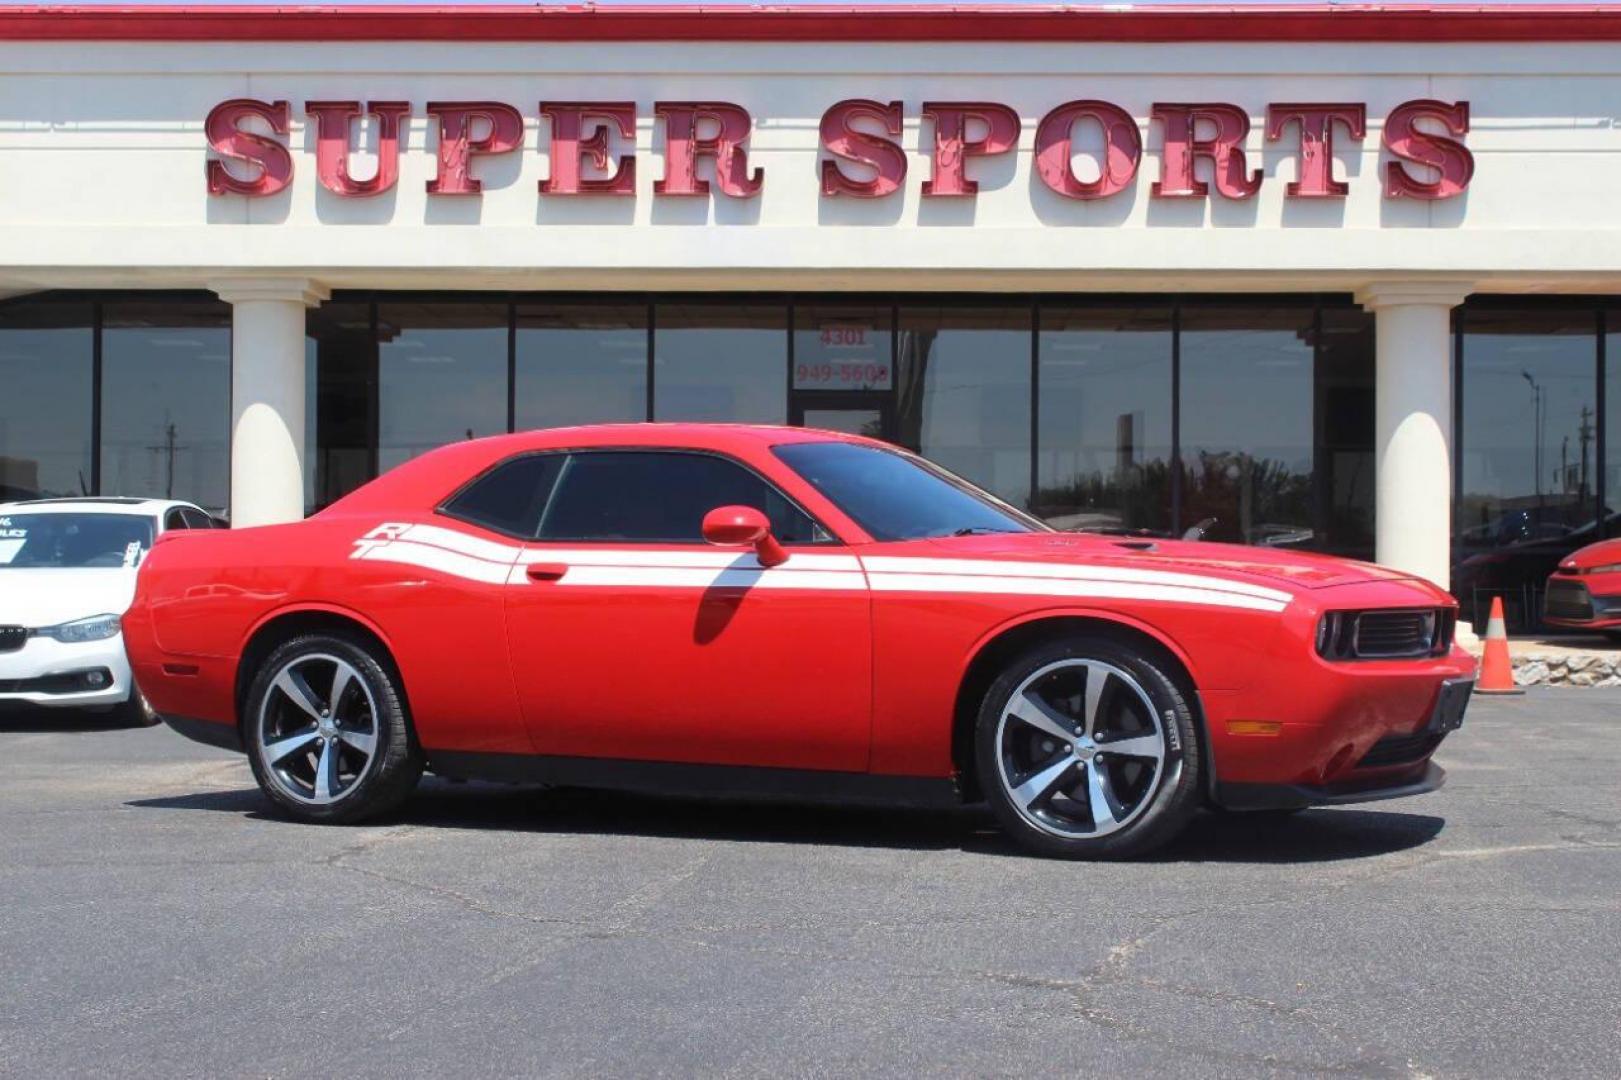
(1088, 749)
(326, 731)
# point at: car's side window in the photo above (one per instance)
(510, 497)
(196, 519)
(175, 520)
(661, 496)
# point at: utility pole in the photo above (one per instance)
(168, 448)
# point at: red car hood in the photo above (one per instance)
(1259, 565)
(1603, 553)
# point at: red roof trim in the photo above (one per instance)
(818, 22)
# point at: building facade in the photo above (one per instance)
(1340, 279)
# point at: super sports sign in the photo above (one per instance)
(592, 147)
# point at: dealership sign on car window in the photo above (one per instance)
(592, 148)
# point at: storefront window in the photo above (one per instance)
(1529, 452)
(341, 355)
(720, 362)
(1343, 460)
(1104, 450)
(166, 393)
(962, 392)
(442, 375)
(46, 367)
(1529, 428)
(1612, 424)
(1247, 424)
(580, 364)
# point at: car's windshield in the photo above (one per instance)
(896, 496)
(73, 540)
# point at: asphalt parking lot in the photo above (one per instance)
(153, 921)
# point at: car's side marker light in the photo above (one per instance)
(1254, 727)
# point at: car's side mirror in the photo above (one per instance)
(741, 526)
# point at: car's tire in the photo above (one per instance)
(136, 712)
(322, 760)
(1060, 789)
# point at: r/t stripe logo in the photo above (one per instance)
(381, 536)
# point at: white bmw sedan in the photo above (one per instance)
(67, 574)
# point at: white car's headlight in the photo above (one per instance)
(95, 628)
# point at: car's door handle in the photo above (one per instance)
(542, 571)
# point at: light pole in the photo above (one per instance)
(1536, 430)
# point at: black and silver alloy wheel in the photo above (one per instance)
(317, 728)
(1082, 748)
(1087, 748)
(327, 731)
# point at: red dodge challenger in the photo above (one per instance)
(766, 611)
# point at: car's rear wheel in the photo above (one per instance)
(327, 733)
(1088, 749)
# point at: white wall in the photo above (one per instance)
(102, 174)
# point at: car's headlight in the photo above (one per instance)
(95, 628)
(1607, 568)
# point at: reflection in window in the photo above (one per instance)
(442, 375)
(1103, 461)
(1612, 421)
(166, 385)
(962, 393)
(649, 497)
(1343, 459)
(46, 365)
(1247, 423)
(340, 357)
(581, 364)
(720, 362)
(1529, 437)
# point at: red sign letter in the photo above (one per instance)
(1179, 123)
(1122, 142)
(683, 148)
(1446, 156)
(457, 145)
(885, 158)
(1315, 178)
(569, 150)
(333, 120)
(952, 147)
(224, 130)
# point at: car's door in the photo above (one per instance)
(632, 638)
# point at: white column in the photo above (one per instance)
(267, 395)
(1413, 423)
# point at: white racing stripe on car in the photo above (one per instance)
(1048, 586)
(695, 578)
(429, 557)
(475, 559)
(450, 540)
(692, 560)
(1000, 568)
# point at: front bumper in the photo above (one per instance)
(1299, 796)
(1319, 732)
(50, 673)
(1573, 601)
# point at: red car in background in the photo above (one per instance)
(786, 612)
(1585, 591)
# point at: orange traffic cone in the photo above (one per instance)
(1496, 669)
